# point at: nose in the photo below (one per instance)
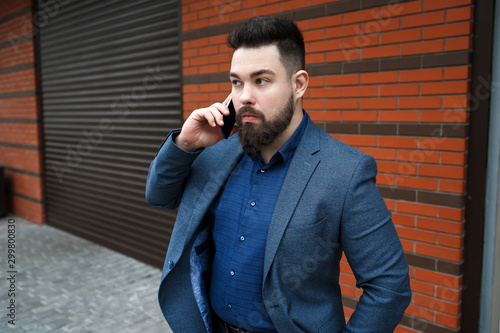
(247, 96)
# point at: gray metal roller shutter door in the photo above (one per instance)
(110, 91)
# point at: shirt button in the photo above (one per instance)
(231, 273)
(262, 170)
(242, 238)
(253, 204)
(229, 306)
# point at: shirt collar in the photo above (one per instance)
(288, 149)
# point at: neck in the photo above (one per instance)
(268, 151)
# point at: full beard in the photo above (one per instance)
(254, 137)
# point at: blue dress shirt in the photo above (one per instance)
(240, 217)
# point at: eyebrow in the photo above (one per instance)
(254, 74)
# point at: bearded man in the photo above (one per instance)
(265, 215)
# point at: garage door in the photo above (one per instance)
(110, 92)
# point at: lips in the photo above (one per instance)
(247, 114)
(249, 118)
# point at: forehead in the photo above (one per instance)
(248, 60)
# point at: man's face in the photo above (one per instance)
(262, 95)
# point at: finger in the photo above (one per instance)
(208, 116)
(226, 101)
(222, 107)
(216, 113)
(223, 110)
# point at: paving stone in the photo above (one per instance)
(70, 285)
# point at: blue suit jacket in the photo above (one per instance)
(328, 204)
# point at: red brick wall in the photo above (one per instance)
(390, 78)
(20, 143)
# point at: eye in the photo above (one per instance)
(236, 83)
(261, 81)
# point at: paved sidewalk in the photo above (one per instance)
(63, 283)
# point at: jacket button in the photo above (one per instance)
(170, 264)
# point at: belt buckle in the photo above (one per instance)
(232, 329)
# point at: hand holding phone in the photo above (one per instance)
(200, 128)
(229, 120)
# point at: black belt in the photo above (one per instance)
(233, 329)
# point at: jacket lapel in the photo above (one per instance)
(300, 171)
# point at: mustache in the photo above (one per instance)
(250, 110)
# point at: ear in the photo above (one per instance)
(300, 80)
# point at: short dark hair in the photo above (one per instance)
(272, 30)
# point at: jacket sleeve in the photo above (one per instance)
(168, 173)
(374, 252)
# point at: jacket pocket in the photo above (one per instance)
(334, 325)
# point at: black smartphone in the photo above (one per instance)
(228, 121)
